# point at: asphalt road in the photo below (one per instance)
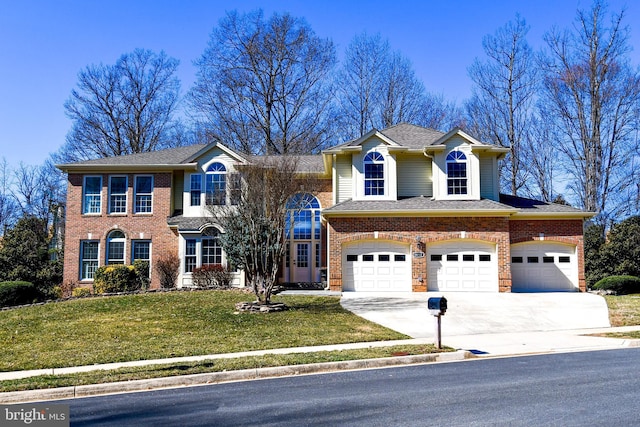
(599, 388)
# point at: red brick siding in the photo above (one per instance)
(406, 229)
(148, 226)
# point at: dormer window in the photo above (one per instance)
(374, 174)
(456, 173)
(216, 184)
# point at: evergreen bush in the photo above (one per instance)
(620, 285)
(18, 293)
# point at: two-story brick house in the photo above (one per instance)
(402, 209)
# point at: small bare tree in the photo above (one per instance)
(254, 235)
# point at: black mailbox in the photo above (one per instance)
(437, 305)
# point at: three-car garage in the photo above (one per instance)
(459, 266)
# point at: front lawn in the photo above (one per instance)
(160, 325)
(624, 310)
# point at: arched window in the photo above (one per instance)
(374, 174)
(211, 248)
(115, 247)
(216, 184)
(456, 173)
(304, 210)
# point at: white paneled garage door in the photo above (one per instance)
(544, 266)
(376, 266)
(462, 266)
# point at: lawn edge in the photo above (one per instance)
(73, 392)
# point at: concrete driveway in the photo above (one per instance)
(471, 313)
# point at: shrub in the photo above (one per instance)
(168, 268)
(213, 276)
(142, 273)
(57, 292)
(17, 293)
(621, 285)
(80, 292)
(115, 278)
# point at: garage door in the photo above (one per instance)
(544, 267)
(376, 266)
(462, 266)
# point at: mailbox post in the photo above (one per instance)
(437, 307)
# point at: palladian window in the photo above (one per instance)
(456, 173)
(374, 174)
(216, 184)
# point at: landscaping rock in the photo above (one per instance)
(256, 307)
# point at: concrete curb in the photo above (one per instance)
(222, 377)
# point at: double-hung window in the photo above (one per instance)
(117, 194)
(374, 174)
(88, 259)
(91, 194)
(235, 188)
(196, 189)
(143, 194)
(141, 250)
(190, 255)
(216, 184)
(456, 173)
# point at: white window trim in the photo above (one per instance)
(385, 176)
(135, 193)
(118, 240)
(84, 186)
(224, 174)
(198, 237)
(133, 242)
(82, 259)
(126, 195)
(467, 162)
(191, 188)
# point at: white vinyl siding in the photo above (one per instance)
(414, 177)
(344, 176)
(488, 189)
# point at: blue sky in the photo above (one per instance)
(44, 44)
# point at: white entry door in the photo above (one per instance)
(302, 262)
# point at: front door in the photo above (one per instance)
(302, 262)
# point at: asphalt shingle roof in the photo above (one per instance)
(412, 136)
(170, 156)
(525, 205)
(417, 204)
(508, 204)
(184, 223)
(306, 163)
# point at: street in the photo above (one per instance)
(572, 389)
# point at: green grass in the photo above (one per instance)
(160, 325)
(624, 310)
(218, 365)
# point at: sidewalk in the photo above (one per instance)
(479, 345)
